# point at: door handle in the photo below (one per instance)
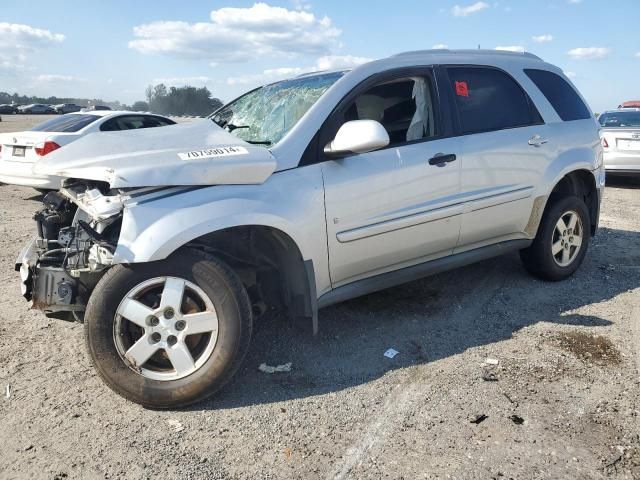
(537, 141)
(442, 158)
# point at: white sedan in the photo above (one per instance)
(19, 151)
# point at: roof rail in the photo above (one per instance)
(443, 51)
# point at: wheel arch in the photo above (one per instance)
(271, 266)
(580, 183)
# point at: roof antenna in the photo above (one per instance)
(478, 46)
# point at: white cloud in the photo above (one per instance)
(542, 38)
(512, 48)
(440, 46)
(54, 78)
(17, 41)
(589, 53)
(182, 81)
(575, 1)
(301, 4)
(464, 11)
(330, 62)
(240, 34)
(334, 62)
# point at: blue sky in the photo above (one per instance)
(113, 49)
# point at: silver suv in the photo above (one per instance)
(168, 245)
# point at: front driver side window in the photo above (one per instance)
(404, 106)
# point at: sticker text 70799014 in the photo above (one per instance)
(213, 153)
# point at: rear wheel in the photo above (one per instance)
(169, 333)
(562, 240)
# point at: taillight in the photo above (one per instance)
(605, 144)
(47, 147)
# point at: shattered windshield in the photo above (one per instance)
(265, 115)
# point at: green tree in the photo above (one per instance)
(140, 106)
(181, 100)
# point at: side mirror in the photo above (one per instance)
(357, 136)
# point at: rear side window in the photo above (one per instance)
(562, 96)
(66, 123)
(488, 99)
(133, 122)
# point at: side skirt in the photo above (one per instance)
(409, 274)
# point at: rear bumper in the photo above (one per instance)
(621, 162)
(20, 173)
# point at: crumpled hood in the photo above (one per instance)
(196, 153)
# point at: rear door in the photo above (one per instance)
(505, 150)
(392, 208)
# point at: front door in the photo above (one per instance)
(397, 206)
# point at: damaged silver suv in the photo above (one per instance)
(304, 193)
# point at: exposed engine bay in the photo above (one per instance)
(77, 234)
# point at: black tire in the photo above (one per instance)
(538, 259)
(233, 309)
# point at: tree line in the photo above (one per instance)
(186, 100)
(17, 99)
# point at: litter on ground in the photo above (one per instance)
(391, 353)
(277, 369)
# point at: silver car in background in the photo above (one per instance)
(621, 140)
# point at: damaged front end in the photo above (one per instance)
(78, 230)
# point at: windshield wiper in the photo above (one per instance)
(231, 127)
(258, 142)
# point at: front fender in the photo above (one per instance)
(291, 201)
(148, 235)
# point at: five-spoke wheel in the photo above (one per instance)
(567, 238)
(169, 333)
(165, 328)
(562, 240)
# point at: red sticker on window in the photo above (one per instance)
(462, 89)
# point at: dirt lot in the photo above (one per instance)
(563, 401)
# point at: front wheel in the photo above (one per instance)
(170, 333)
(562, 240)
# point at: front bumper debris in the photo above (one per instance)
(50, 289)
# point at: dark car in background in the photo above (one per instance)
(8, 109)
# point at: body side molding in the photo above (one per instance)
(408, 274)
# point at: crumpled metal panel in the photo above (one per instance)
(198, 153)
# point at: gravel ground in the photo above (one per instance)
(562, 402)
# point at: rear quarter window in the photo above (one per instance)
(560, 94)
(488, 99)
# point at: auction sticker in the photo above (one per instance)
(213, 153)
